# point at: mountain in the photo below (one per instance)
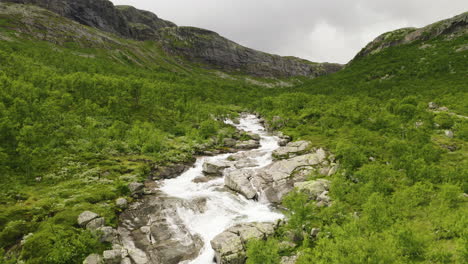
(94, 108)
(448, 28)
(197, 45)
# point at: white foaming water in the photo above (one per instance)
(223, 208)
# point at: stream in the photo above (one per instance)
(223, 208)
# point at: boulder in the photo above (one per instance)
(249, 144)
(136, 188)
(292, 149)
(238, 180)
(313, 188)
(449, 133)
(85, 217)
(95, 224)
(245, 163)
(93, 259)
(229, 246)
(107, 234)
(433, 106)
(314, 232)
(126, 260)
(229, 142)
(121, 203)
(214, 168)
(113, 256)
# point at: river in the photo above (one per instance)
(223, 208)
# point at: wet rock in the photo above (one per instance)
(121, 203)
(113, 256)
(238, 180)
(136, 188)
(292, 149)
(246, 163)
(93, 259)
(249, 144)
(95, 224)
(152, 231)
(86, 217)
(214, 168)
(229, 246)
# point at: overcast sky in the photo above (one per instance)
(317, 30)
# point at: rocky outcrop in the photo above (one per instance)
(274, 181)
(229, 246)
(152, 233)
(143, 25)
(457, 25)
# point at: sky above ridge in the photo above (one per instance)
(317, 30)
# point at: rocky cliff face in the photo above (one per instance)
(208, 47)
(194, 44)
(457, 25)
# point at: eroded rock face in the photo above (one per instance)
(230, 244)
(151, 231)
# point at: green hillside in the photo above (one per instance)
(83, 113)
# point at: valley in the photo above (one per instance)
(126, 139)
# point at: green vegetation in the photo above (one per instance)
(399, 196)
(79, 121)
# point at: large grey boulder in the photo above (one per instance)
(229, 246)
(85, 217)
(93, 259)
(214, 168)
(292, 149)
(239, 181)
(313, 188)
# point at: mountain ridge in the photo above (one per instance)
(188, 42)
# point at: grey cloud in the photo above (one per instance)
(318, 30)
